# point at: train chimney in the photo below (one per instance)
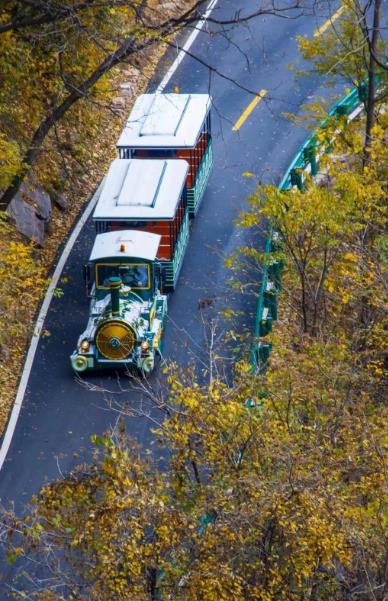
(115, 285)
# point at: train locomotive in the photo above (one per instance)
(127, 310)
(142, 228)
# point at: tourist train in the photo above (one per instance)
(142, 219)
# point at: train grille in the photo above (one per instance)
(115, 340)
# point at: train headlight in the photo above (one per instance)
(79, 363)
(85, 346)
(144, 346)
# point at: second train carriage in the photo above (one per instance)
(150, 196)
(172, 126)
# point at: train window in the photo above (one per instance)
(137, 275)
(156, 153)
(126, 224)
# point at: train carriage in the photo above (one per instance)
(176, 126)
(127, 310)
(150, 196)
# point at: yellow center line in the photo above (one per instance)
(329, 22)
(241, 120)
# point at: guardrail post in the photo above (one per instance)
(271, 301)
(275, 272)
(362, 92)
(342, 110)
(263, 351)
(265, 324)
(275, 267)
(310, 155)
(297, 178)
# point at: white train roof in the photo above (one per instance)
(165, 121)
(141, 189)
(126, 243)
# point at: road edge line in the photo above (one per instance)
(7, 438)
(181, 55)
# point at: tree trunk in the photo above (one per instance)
(370, 109)
(57, 113)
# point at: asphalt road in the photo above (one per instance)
(59, 414)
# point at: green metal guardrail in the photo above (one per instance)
(306, 160)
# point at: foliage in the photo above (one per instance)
(343, 51)
(354, 49)
(330, 235)
(22, 281)
(10, 161)
(293, 493)
(22, 278)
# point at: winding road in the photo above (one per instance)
(59, 413)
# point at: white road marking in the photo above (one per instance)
(7, 438)
(185, 48)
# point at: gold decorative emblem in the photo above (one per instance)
(115, 340)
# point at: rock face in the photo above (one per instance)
(61, 201)
(5, 352)
(31, 210)
(39, 198)
(27, 221)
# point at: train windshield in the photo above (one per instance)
(137, 275)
